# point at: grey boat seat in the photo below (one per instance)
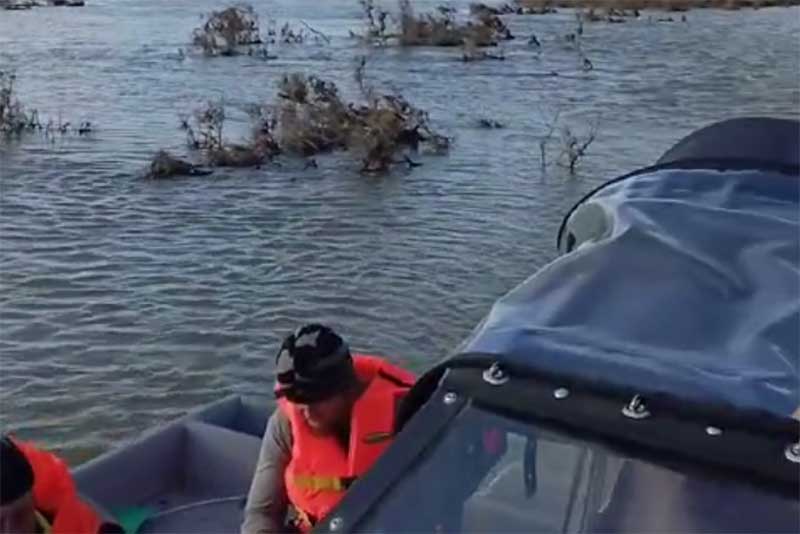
(191, 475)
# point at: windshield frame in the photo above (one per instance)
(711, 443)
(587, 417)
(421, 433)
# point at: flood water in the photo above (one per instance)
(125, 302)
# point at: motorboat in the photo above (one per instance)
(645, 380)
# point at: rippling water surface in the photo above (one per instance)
(125, 302)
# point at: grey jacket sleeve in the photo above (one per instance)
(267, 502)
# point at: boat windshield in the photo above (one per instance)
(488, 473)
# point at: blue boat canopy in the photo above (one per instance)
(683, 282)
(663, 343)
(682, 279)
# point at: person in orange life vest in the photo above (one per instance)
(38, 495)
(336, 415)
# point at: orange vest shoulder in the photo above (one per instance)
(54, 493)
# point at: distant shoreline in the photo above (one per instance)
(661, 5)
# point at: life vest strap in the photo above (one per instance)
(323, 483)
(396, 380)
(43, 523)
(303, 521)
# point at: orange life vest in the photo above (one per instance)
(320, 470)
(55, 496)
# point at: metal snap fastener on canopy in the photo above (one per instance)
(636, 408)
(792, 453)
(495, 375)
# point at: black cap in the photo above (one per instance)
(16, 473)
(313, 364)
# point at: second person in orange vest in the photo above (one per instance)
(38, 495)
(335, 417)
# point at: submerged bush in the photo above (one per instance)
(513, 8)
(440, 28)
(312, 117)
(309, 116)
(376, 20)
(236, 31)
(14, 119)
(443, 30)
(204, 132)
(229, 32)
(165, 165)
(21, 5)
(204, 128)
(574, 146)
(287, 34)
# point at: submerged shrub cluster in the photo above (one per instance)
(16, 119)
(232, 31)
(439, 28)
(309, 116)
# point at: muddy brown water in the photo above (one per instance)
(125, 302)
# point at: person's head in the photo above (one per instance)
(17, 511)
(315, 371)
